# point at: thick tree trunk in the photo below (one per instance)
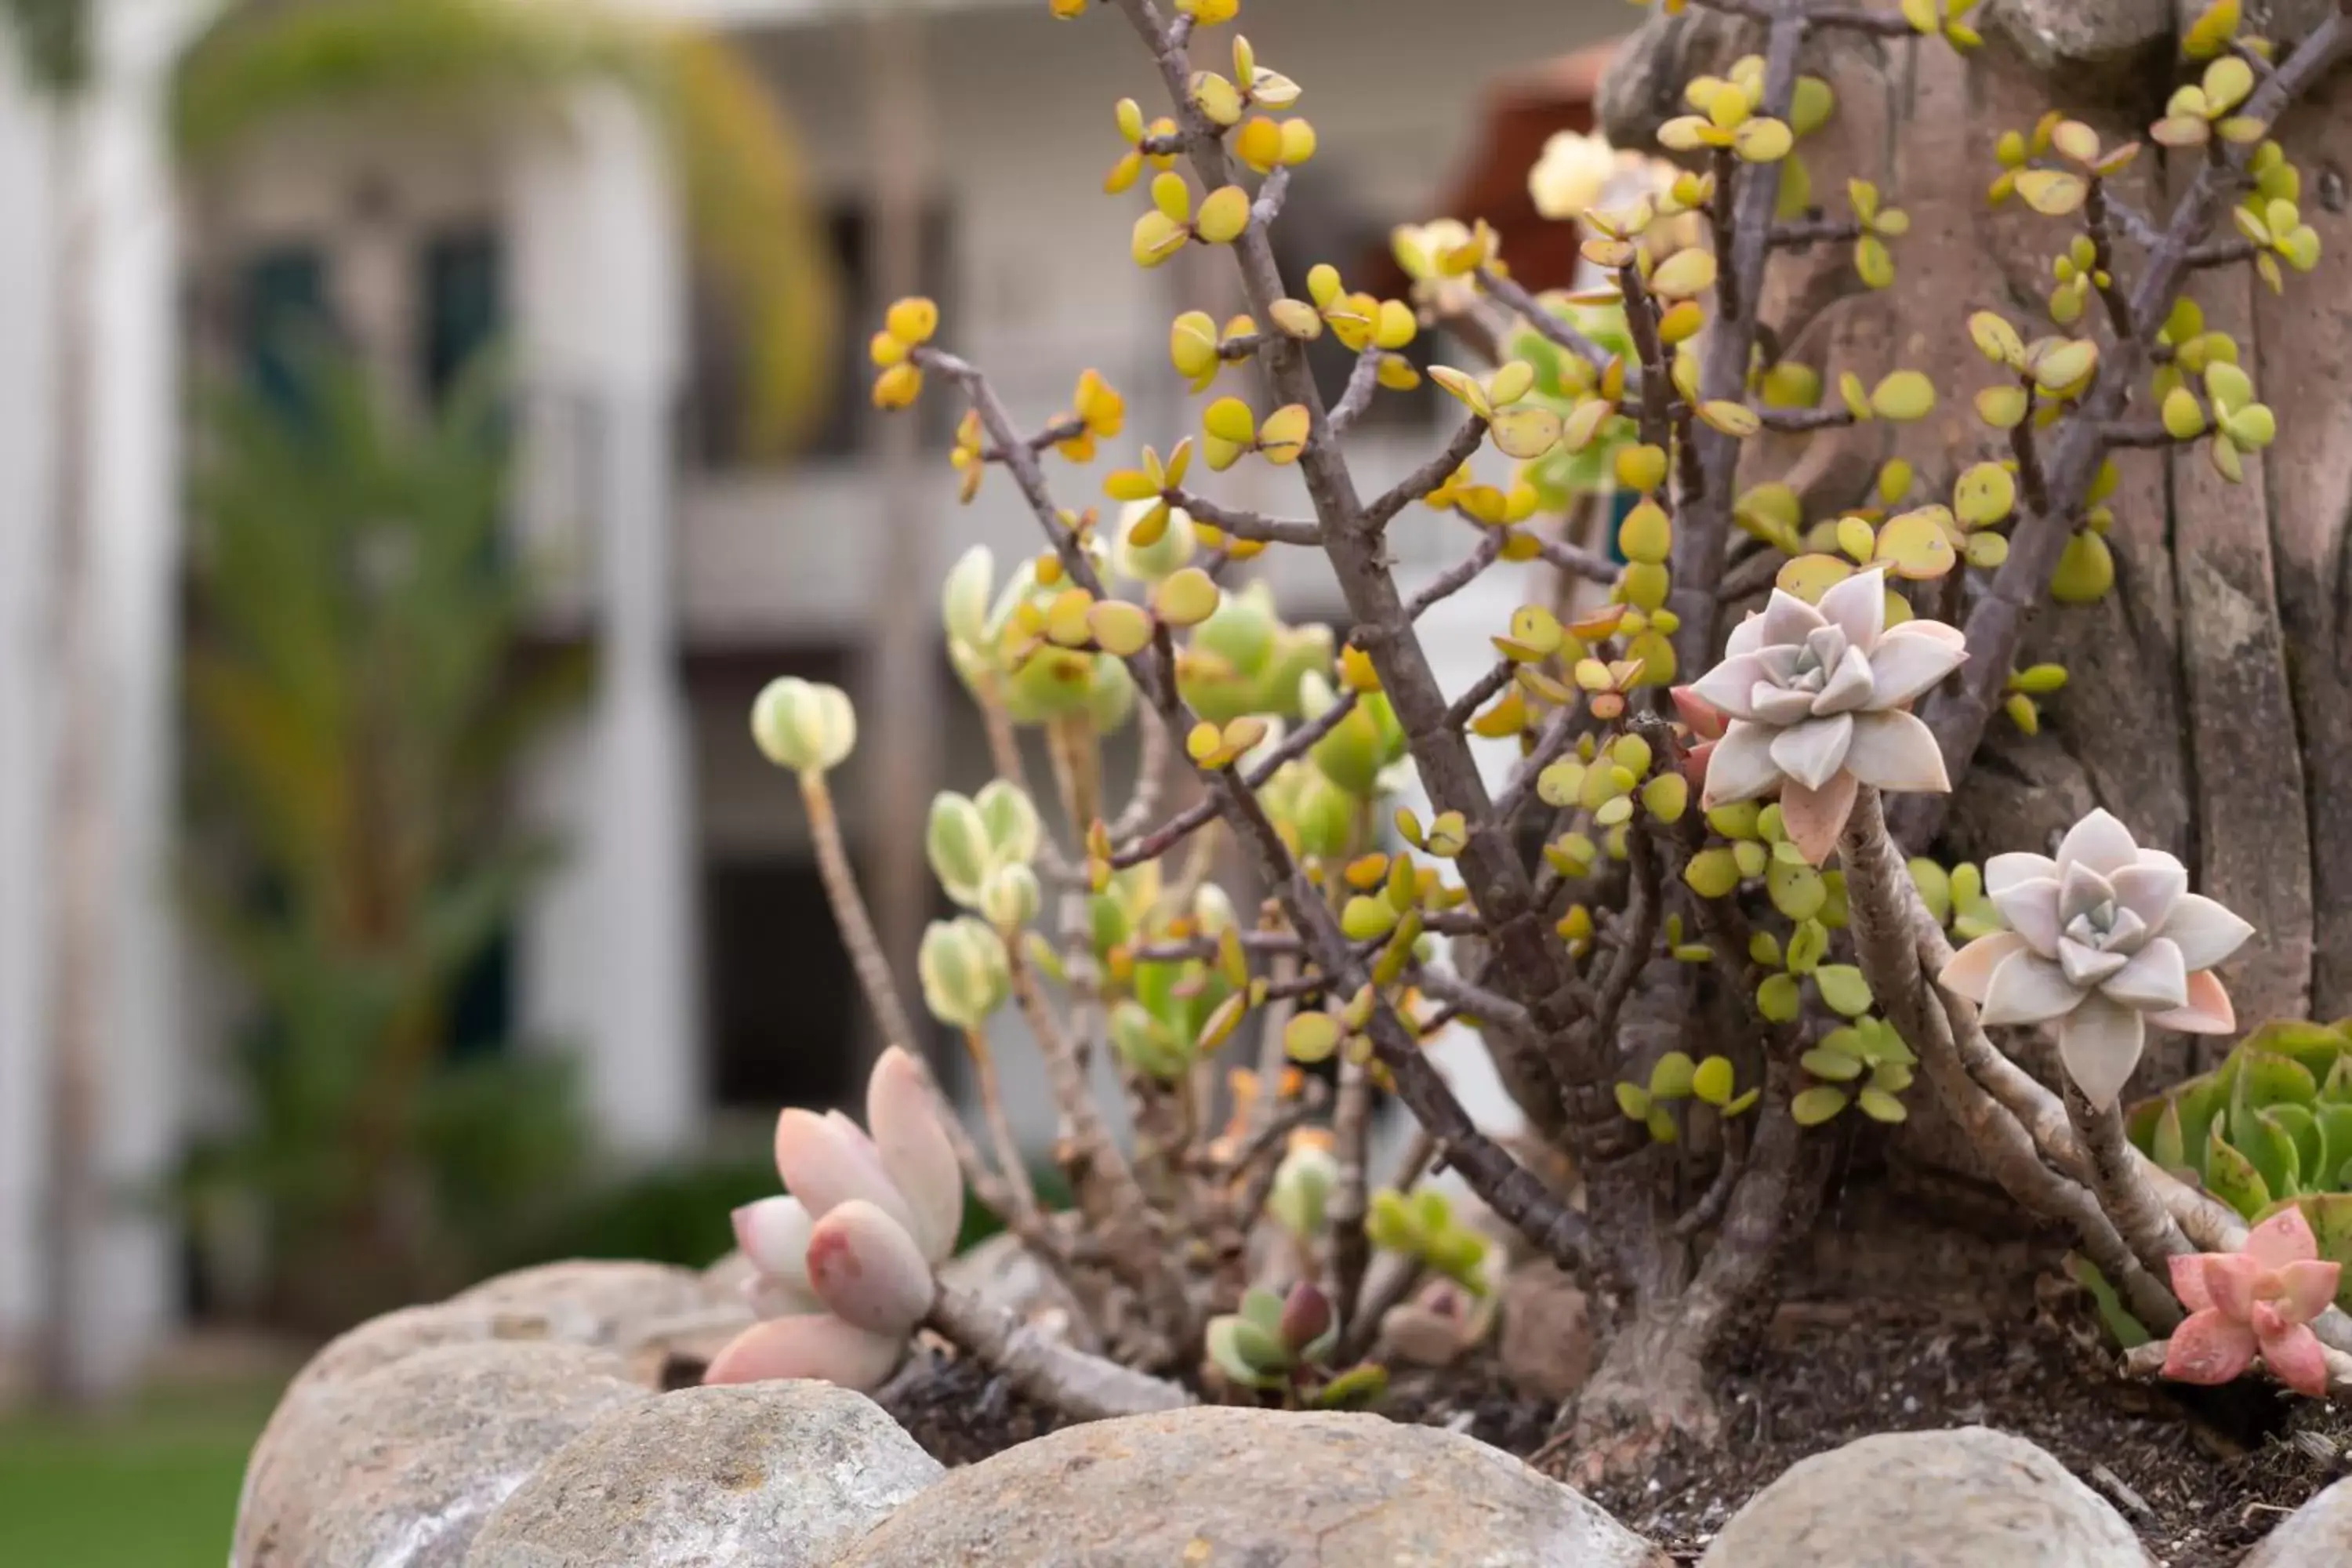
(2210, 698)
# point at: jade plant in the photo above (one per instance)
(1690, 930)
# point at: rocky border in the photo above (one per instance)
(524, 1424)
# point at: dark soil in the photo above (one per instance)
(2202, 1482)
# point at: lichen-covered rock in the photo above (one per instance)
(395, 1336)
(728, 1282)
(2319, 1531)
(772, 1475)
(1546, 1343)
(380, 1341)
(1969, 1497)
(2083, 32)
(399, 1467)
(630, 1302)
(1220, 1485)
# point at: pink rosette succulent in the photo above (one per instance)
(2259, 1300)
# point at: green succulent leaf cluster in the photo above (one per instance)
(1563, 381)
(980, 849)
(1165, 1008)
(2272, 1125)
(1864, 1064)
(1713, 1081)
(1422, 1226)
(1286, 1343)
(1245, 660)
(1757, 847)
(1037, 681)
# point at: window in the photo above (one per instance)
(282, 318)
(460, 305)
(1322, 222)
(720, 363)
(783, 1019)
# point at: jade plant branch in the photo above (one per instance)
(1679, 987)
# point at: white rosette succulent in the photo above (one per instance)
(2102, 941)
(1818, 701)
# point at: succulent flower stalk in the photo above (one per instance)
(1817, 703)
(803, 725)
(2102, 941)
(2259, 1300)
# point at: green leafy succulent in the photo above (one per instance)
(2271, 1126)
(1285, 1343)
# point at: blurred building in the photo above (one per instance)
(684, 950)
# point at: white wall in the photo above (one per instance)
(130, 463)
(24, 568)
(1042, 287)
(599, 293)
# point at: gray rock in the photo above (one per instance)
(631, 1302)
(2057, 33)
(1969, 1497)
(772, 1475)
(2319, 1531)
(725, 1281)
(1232, 1487)
(1546, 1334)
(2061, 32)
(399, 1467)
(395, 1336)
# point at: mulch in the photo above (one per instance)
(2203, 1475)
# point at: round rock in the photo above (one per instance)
(776, 1474)
(727, 1282)
(395, 1336)
(2319, 1531)
(1546, 1342)
(1969, 1498)
(630, 1302)
(1264, 1488)
(398, 1467)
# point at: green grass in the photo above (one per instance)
(153, 1487)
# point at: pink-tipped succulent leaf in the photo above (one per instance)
(774, 1236)
(826, 1161)
(2259, 1300)
(814, 1346)
(914, 1149)
(1706, 720)
(1818, 701)
(864, 1267)
(2102, 941)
